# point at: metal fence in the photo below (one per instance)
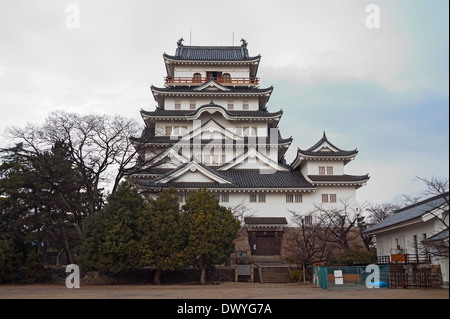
(351, 277)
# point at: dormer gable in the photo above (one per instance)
(258, 159)
(193, 172)
(323, 150)
(211, 130)
(212, 85)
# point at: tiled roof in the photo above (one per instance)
(438, 237)
(310, 151)
(410, 213)
(328, 154)
(339, 178)
(211, 53)
(232, 90)
(247, 179)
(192, 113)
(265, 221)
(148, 136)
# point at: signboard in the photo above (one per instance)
(338, 278)
(244, 270)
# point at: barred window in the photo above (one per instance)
(289, 198)
(225, 197)
(308, 220)
(328, 198)
(246, 130)
(222, 198)
(182, 197)
(262, 198)
(325, 170)
(255, 198)
(293, 198)
(176, 130)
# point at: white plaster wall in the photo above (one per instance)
(343, 194)
(276, 205)
(186, 102)
(260, 127)
(189, 70)
(312, 167)
(405, 236)
(194, 177)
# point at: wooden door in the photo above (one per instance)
(264, 245)
(213, 74)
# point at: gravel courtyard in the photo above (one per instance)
(225, 290)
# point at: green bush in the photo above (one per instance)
(10, 261)
(352, 257)
(296, 275)
(35, 270)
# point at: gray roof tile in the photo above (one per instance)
(410, 213)
(211, 53)
(265, 221)
(249, 179)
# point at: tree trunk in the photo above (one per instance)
(203, 276)
(156, 278)
(69, 252)
(44, 253)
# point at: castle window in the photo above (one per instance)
(325, 170)
(328, 198)
(246, 131)
(230, 105)
(192, 105)
(197, 78)
(257, 198)
(308, 220)
(222, 198)
(293, 198)
(209, 159)
(182, 197)
(177, 105)
(226, 78)
(245, 105)
(176, 130)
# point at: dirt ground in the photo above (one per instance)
(224, 290)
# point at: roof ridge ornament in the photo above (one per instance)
(180, 42)
(244, 43)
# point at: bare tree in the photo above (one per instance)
(99, 145)
(240, 211)
(340, 222)
(307, 241)
(436, 186)
(379, 212)
(438, 245)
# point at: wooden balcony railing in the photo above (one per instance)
(404, 259)
(202, 80)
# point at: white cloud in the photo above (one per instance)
(315, 52)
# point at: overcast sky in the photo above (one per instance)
(381, 90)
